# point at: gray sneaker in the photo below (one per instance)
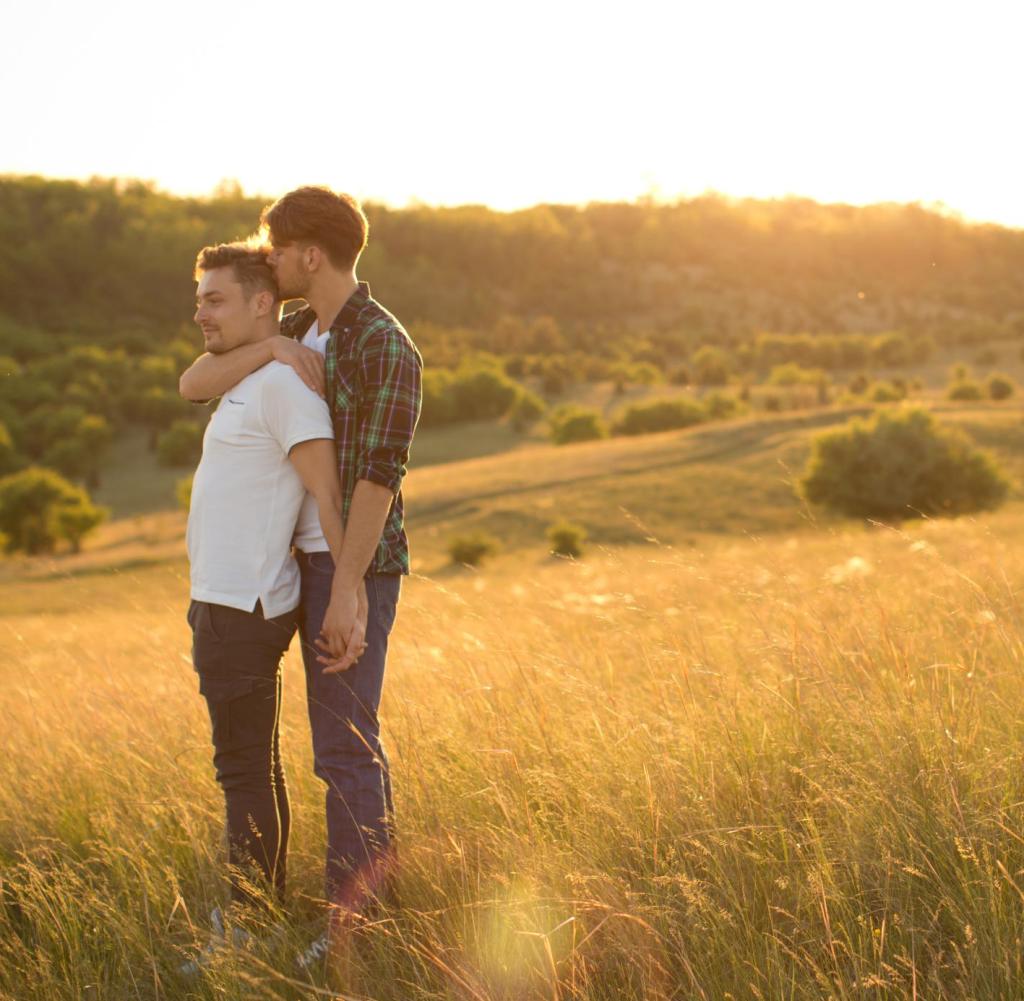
(315, 954)
(219, 943)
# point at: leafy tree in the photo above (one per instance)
(711, 366)
(80, 453)
(900, 464)
(39, 508)
(9, 458)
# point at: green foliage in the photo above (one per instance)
(477, 390)
(886, 392)
(39, 508)
(965, 389)
(473, 548)
(711, 366)
(9, 458)
(721, 406)
(566, 539)
(679, 376)
(183, 493)
(1000, 387)
(527, 410)
(660, 415)
(180, 445)
(792, 374)
(900, 464)
(570, 424)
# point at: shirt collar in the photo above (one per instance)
(346, 318)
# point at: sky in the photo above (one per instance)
(510, 105)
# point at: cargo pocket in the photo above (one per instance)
(222, 699)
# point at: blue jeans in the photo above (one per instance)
(347, 752)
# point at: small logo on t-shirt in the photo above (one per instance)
(237, 403)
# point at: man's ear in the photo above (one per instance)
(313, 257)
(265, 302)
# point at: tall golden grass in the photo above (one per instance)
(785, 768)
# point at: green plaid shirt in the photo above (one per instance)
(374, 392)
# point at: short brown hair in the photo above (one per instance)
(334, 222)
(249, 264)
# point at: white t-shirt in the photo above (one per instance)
(309, 536)
(246, 495)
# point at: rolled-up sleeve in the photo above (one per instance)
(392, 394)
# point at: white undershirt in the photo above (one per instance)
(309, 536)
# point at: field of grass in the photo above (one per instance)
(775, 758)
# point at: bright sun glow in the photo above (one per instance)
(510, 105)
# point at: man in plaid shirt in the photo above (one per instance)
(345, 345)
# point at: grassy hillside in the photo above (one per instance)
(779, 768)
(681, 488)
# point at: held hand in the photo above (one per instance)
(309, 364)
(343, 634)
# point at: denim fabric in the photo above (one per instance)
(237, 656)
(347, 751)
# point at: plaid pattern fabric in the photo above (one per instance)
(374, 391)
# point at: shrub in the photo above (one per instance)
(1000, 387)
(571, 424)
(858, 385)
(659, 415)
(900, 464)
(679, 376)
(39, 508)
(711, 366)
(720, 406)
(965, 389)
(886, 392)
(183, 493)
(792, 374)
(482, 392)
(566, 539)
(528, 409)
(472, 549)
(180, 445)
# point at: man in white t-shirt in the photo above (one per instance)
(268, 446)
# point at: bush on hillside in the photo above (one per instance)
(566, 539)
(183, 493)
(573, 424)
(1000, 387)
(721, 406)
(711, 366)
(180, 445)
(39, 509)
(659, 415)
(900, 464)
(527, 410)
(965, 389)
(792, 374)
(472, 549)
(886, 392)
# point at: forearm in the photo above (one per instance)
(212, 375)
(329, 506)
(367, 515)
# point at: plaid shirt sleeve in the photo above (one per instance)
(391, 373)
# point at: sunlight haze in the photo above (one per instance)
(456, 103)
